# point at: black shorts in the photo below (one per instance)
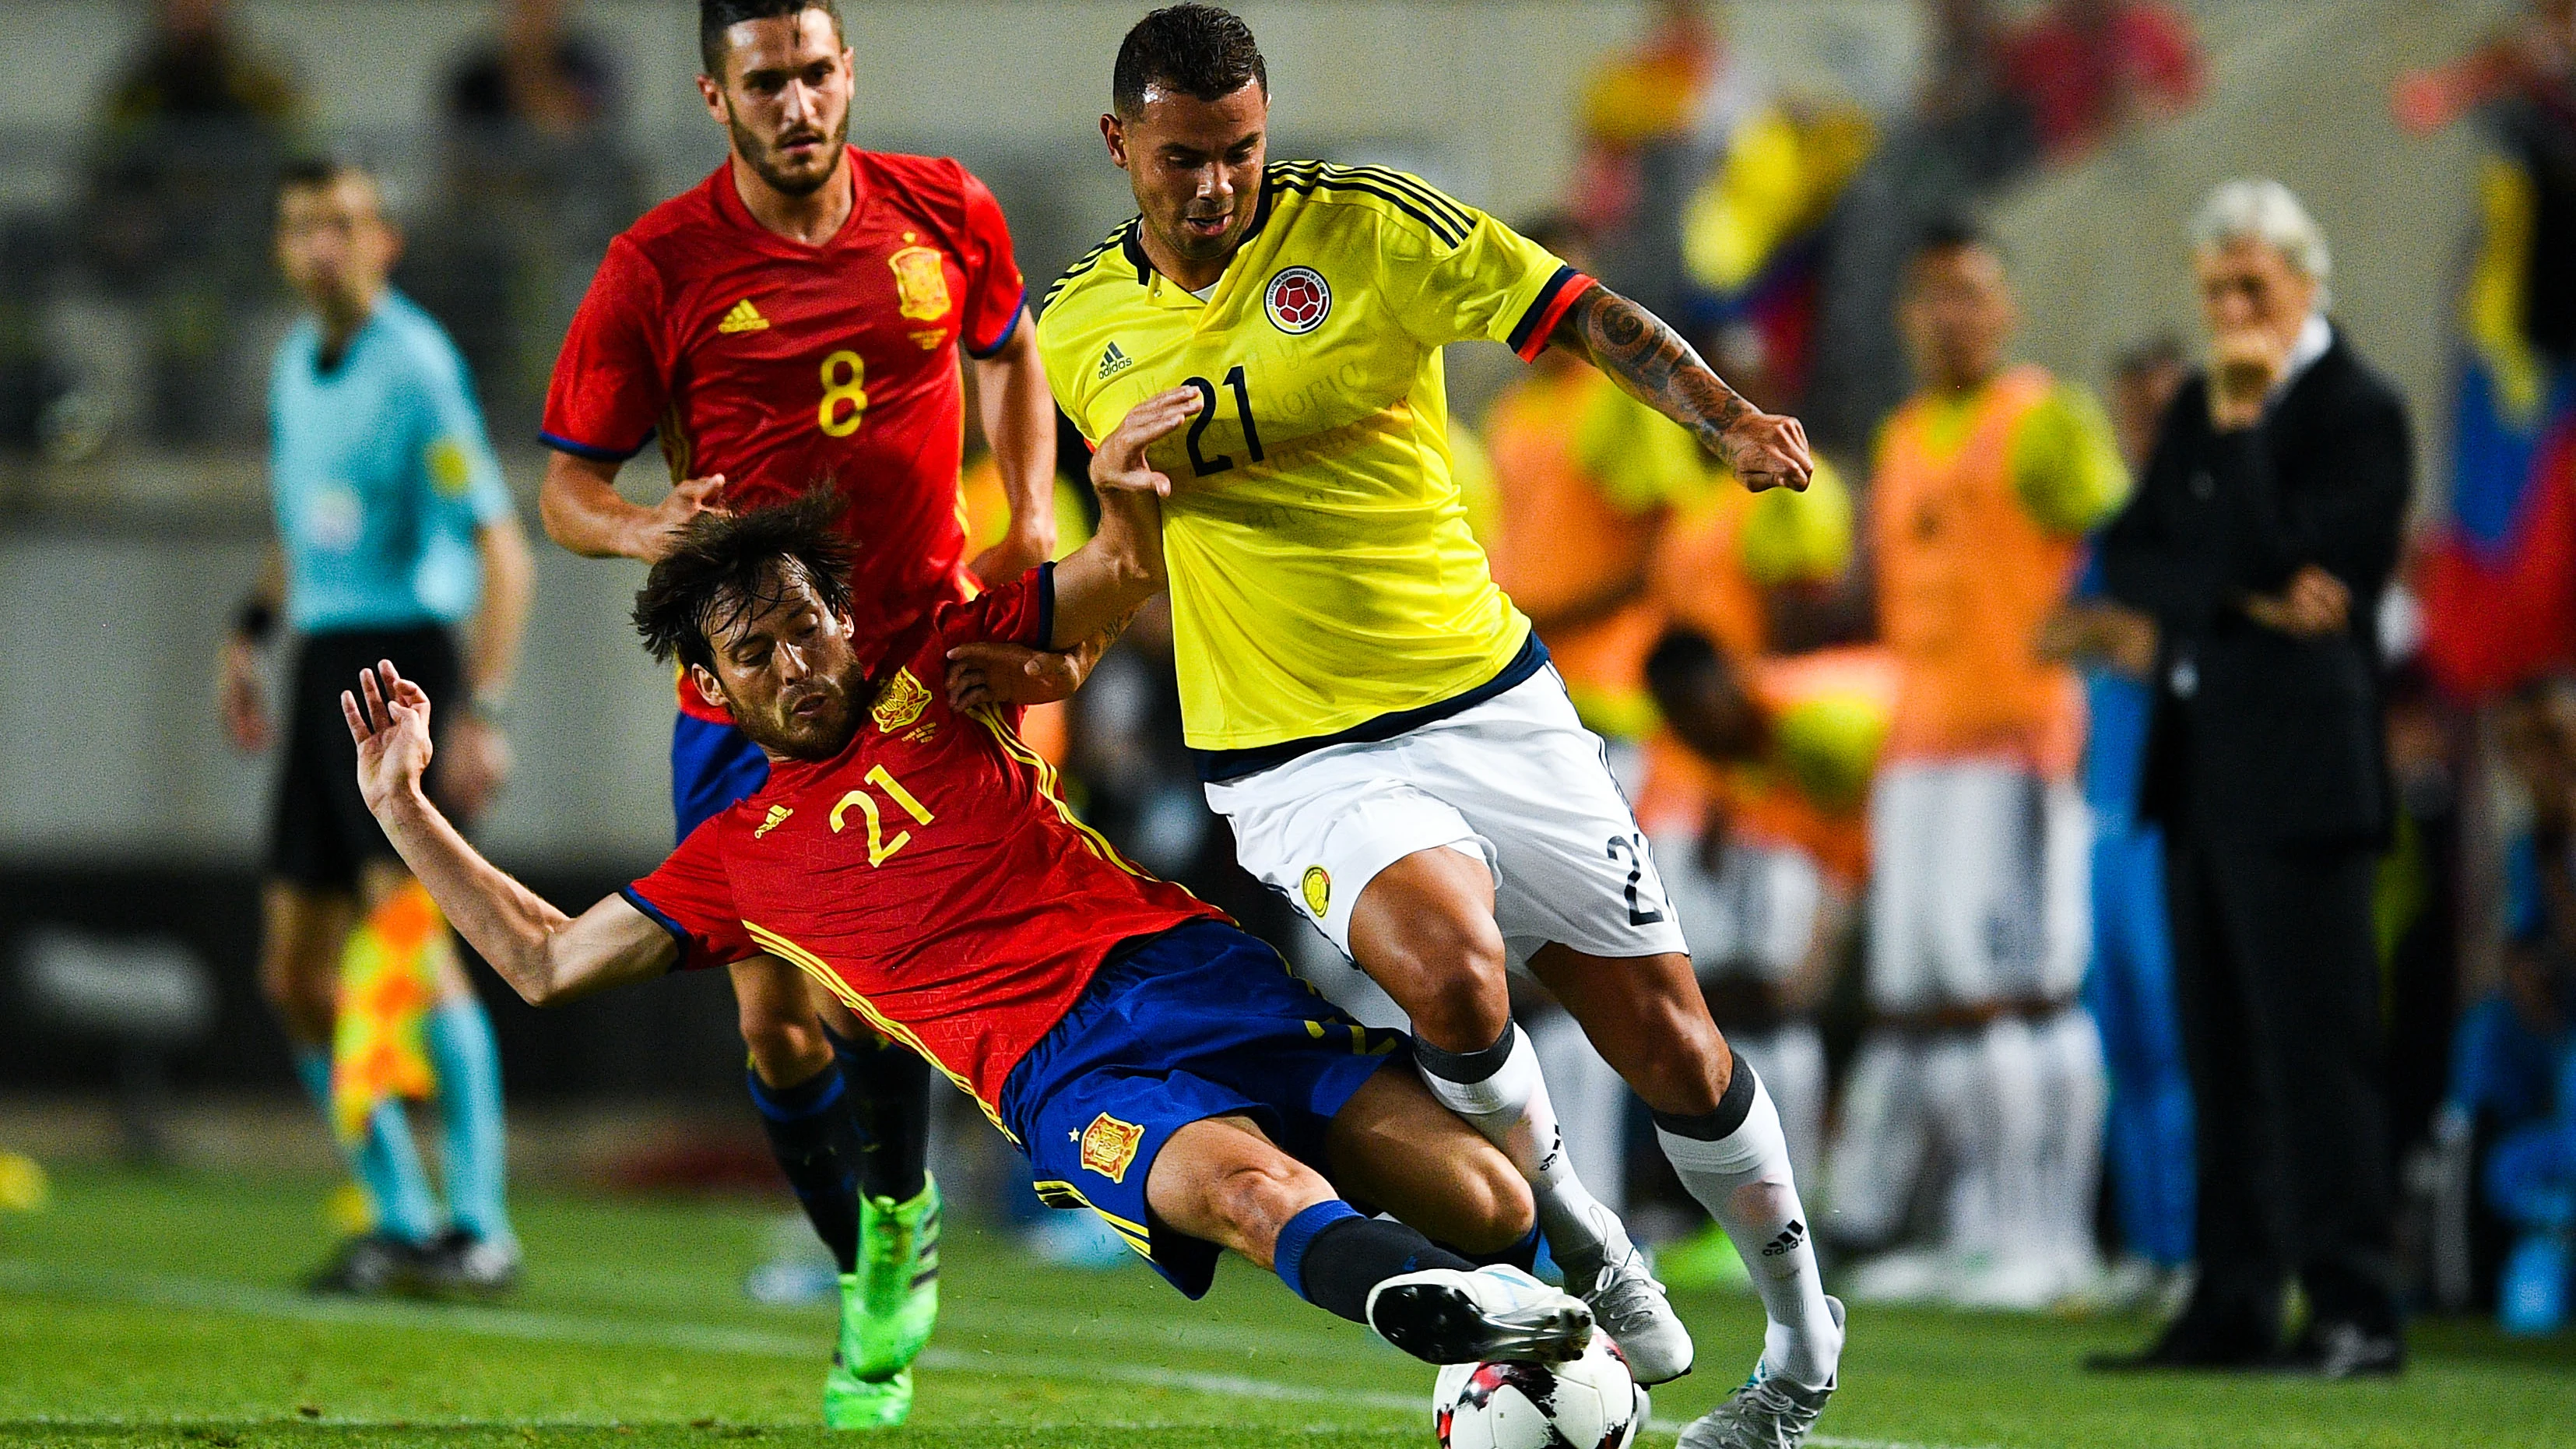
(320, 831)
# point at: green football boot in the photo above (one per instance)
(850, 1402)
(888, 1308)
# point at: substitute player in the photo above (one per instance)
(394, 528)
(1372, 715)
(1156, 1065)
(798, 316)
(1985, 483)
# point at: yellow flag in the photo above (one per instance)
(388, 982)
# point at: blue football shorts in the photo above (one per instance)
(1200, 1021)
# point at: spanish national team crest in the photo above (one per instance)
(920, 283)
(1317, 887)
(1109, 1146)
(1297, 300)
(902, 702)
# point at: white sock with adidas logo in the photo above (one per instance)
(1743, 1179)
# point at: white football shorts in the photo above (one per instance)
(1981, 886)
(1516, 780)
(1754, 916)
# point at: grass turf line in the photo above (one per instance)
(160, 1310)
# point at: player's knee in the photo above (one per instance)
(1454, 964)
(784, 1050)
(1688, 1071)
(1256, 1197)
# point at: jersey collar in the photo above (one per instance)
(731, 206)
(1162, 289)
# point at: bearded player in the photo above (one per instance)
(1154, 1063)
(1369, 711)
(798, 316)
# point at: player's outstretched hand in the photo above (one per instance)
(391, 730)
(1766, 451)
(989, 672)
(685, 501)
(1120, 463)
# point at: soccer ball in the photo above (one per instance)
(1590, 1403)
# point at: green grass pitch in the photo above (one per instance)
(160, 1311)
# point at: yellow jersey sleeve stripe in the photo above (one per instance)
(1414, 188)
(848, 995)
(1447, 232)
(1084, 263)
(1422, 191)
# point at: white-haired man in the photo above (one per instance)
(2260, 539)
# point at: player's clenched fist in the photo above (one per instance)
(1767, 450)
(391, 730)
(669, 517)
(1120, 462)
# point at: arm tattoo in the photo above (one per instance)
(1650, 362)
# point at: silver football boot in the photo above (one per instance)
(1630, 1306)
(1767, 1413)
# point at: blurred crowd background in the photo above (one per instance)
(1761, 172)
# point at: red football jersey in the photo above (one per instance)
(927, 874)
(778, 364)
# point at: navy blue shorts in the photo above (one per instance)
(1201, 1021)
(712, 766)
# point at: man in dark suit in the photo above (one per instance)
(2260, 540)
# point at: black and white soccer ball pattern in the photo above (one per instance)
(1590, 1403)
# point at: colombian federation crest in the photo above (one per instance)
(1109, 1146)
(1297, 300)
(1317, 888)
(902, 702)
(920, 283)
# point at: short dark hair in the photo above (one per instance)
(1679, 658)
(302, 173)
(729, 566)
(1950, 232)
(320, 171)
(715, 17)
(1200, 49)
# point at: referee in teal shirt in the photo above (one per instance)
(395, 531)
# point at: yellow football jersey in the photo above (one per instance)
(1323, 576)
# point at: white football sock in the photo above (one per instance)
(1793, 1054)
(1591, 1104)
(2011, 1068)
(1882, 1143)
(1744, 1181)
(1511, 1108)
(2077, 1092)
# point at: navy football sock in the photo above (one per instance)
(1331, 1256)
(890, 1100)
(816, 1141)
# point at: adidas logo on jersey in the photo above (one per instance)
(1114, 362)
(743, 318)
